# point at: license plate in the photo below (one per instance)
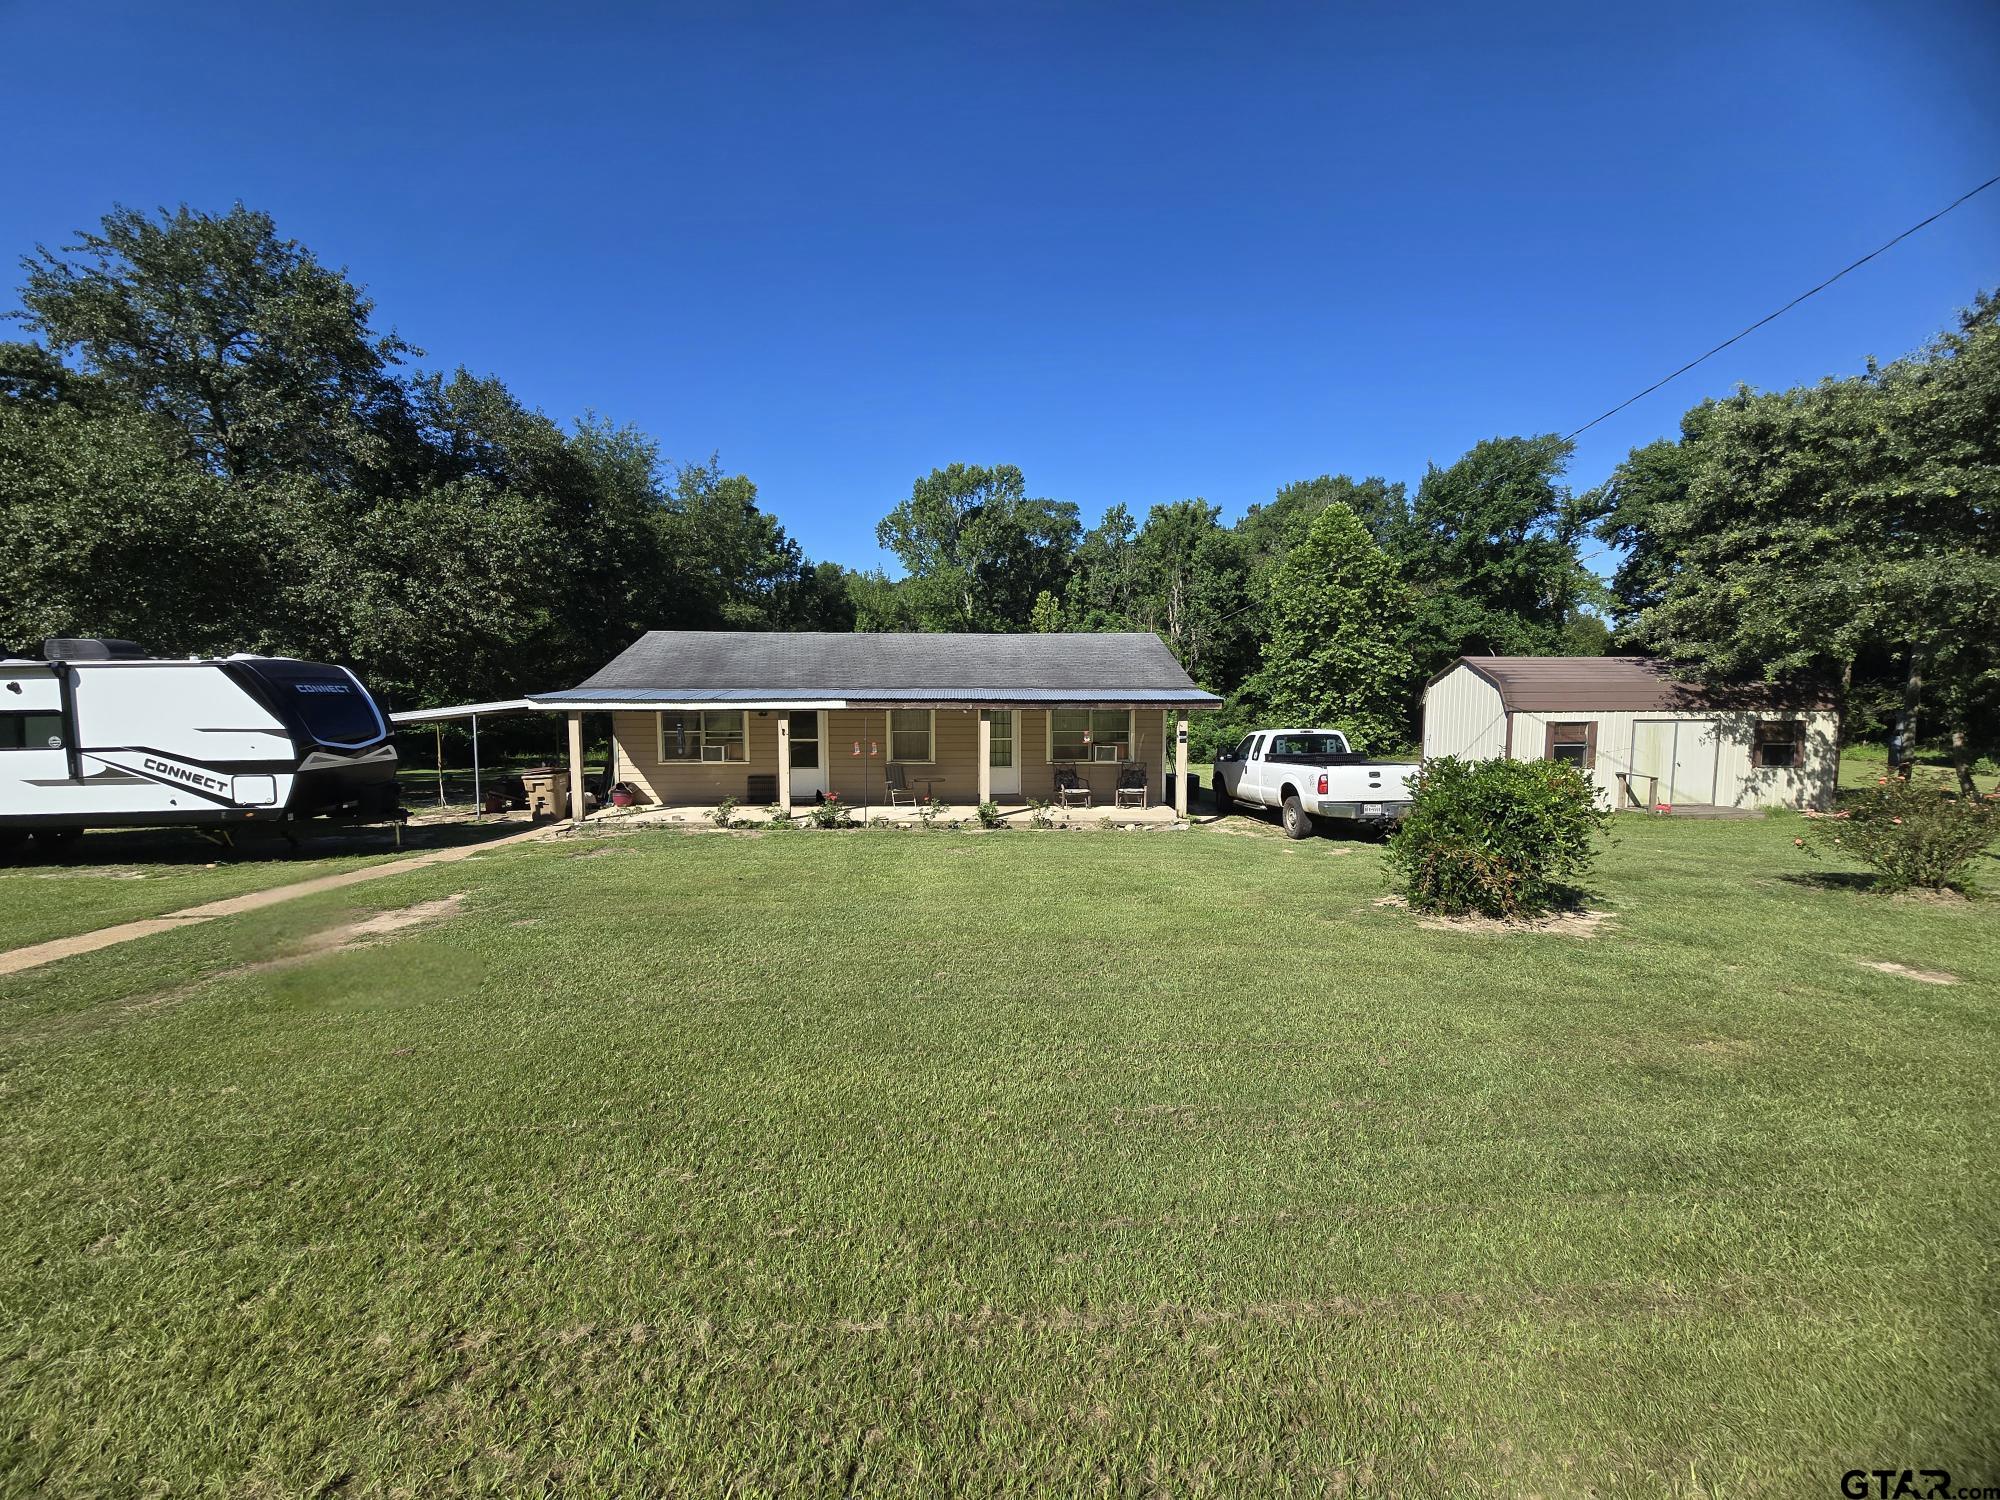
(1371, 809)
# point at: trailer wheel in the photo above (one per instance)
(1298, 822)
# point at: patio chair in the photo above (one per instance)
(1071, 789)
(1131, 790)
(900, 794)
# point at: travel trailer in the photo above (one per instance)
(96, 734)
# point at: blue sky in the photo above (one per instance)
(1142, 252)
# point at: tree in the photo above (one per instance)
(1823, 532)
(978, 551)
(1193, 589)
(1492, 552)
(259, 355)
(1269, 531)
(1104, 582)
(112, 530)
(1046, 618)
(1337, 653)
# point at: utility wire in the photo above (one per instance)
(1963, 197)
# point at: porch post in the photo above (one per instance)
(784, 761)
(1180, 766)
(576, 765)
(985, 755)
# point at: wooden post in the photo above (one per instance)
(576, 765)
(1180, 767)
(985, 755)
(784, 762)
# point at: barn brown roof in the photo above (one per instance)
(1611, 684)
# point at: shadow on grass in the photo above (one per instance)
(251, 844)
(1832, 880)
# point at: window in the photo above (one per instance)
(1090, 734)
(703, 734)
(1318, 746)
(1574, 743)
(1242, 750)
(31, 732)
(910, 735)
(805, 739)
(1002, 751)
(1777, 744)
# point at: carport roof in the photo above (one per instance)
(1620, 684)
(826, 668)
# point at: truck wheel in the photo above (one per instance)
(1221, 799)
(1298, 822)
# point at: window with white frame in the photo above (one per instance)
(910, 735)
(1090, 734)
(703, 734)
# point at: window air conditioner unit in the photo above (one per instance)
(1107, 752)
(715, 752)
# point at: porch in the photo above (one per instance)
(1014, 813)
(682, 761)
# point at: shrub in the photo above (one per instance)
(832, 813)
(931, 809)
(1039, 814)
(1910, 832)
(1502, 838)
(776, 817)
(989, 815)
(724, 813)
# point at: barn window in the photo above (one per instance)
(1574, 743)
(1778, 742)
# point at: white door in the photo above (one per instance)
(1681, 754)
(1694, 760)
(808, 754)
(1004, 762)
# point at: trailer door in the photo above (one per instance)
(34, 741)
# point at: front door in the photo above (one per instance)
(808, 754)
(1004, 763)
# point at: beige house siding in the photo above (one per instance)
(1463, 716)
(859, 779)
(1735, 781)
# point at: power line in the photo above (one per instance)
(1963, 197)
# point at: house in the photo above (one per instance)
(790, 717)
(1645, 737)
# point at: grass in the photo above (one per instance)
(1862, 764)
(1022, 1163)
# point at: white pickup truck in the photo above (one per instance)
(1310, 774)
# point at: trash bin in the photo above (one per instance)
(547, 789)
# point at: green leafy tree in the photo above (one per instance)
(977, 549)
(1337, 653)
(1194, 590)
(1104, 582)
(1492, 553)
(112, 530)
(1271, 530)
(1046, 618)
(260, 356)
(1833, 530)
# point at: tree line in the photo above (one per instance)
(208, 447)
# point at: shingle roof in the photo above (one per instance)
(721, 666)
(1610, 684)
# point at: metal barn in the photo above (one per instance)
(1647, 739)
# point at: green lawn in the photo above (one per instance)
(1053, 1163)
(116, 875)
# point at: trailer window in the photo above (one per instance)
(31, 732)
(334, 710)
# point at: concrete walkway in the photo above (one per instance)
(37, 954)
